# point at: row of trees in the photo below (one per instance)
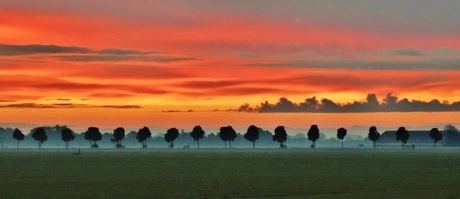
(402, 135)
(226, 134)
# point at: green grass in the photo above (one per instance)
(230, 174)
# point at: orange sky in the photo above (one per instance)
(138, 59)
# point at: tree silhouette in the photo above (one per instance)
(170, 136)
(93, 135)
(18, 135)
(252, 135)
(67, 136)
(118, 135)
(341, 133)
(142, 135)
(402, 135)
(373, 135)
(197, 134)
(435, 135)
(313, 134)
(40, 135)
(227, 133)
(280, 136)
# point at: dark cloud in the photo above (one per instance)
(177, 111)
(409, 52)
(433, 64)
(122, 57)
(209, 84)
(67, 105)
(390, 103)
(114, 51)
(39, 49)
(119, 106)
(82, 54)
(110, 95)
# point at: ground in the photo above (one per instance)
(231, 173)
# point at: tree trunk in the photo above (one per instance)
(434, 144)
(198, 143)
(342, 143)
(402, 145)
(254, 144)
(39, 145)
(374, 144)
(18, 144)
(225, 144)
(230, 144)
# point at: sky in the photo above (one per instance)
(213, 63)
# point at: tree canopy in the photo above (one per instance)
(373, 135)
(197, 134)
(118, 135)
(170, 136)
(313, 134)
(402, 135)
(142, 136)
(252, 134)
(67, 136)
(435, 135)
(18, 135)
(39, 134)
(280, 136)
(341, 133)
(93, 135)
(227, 133)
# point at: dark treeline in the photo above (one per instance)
(63, 137)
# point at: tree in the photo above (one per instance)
(280, 136)
(18, 135)
(67, 136)
(197, 134)
(93, 135)
(313, 134)
(170, 136)
(373, 135)
(118, 135)
(142, 136)
(227, 133)
(402, 135)
(435, 135)
(341, 133)
(40, 135)
(252, 135)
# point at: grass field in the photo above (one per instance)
(299, 173)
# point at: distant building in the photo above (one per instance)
(419, 138)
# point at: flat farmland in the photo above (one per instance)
(231, 173)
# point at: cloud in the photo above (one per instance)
(83, 54)
(114, 51)
(177, 111)
(122, 57)
(67, 105)
(209, 84)
(39, 49)
(390, 103)
(110, 95)
(433, 64)
(409, 52)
